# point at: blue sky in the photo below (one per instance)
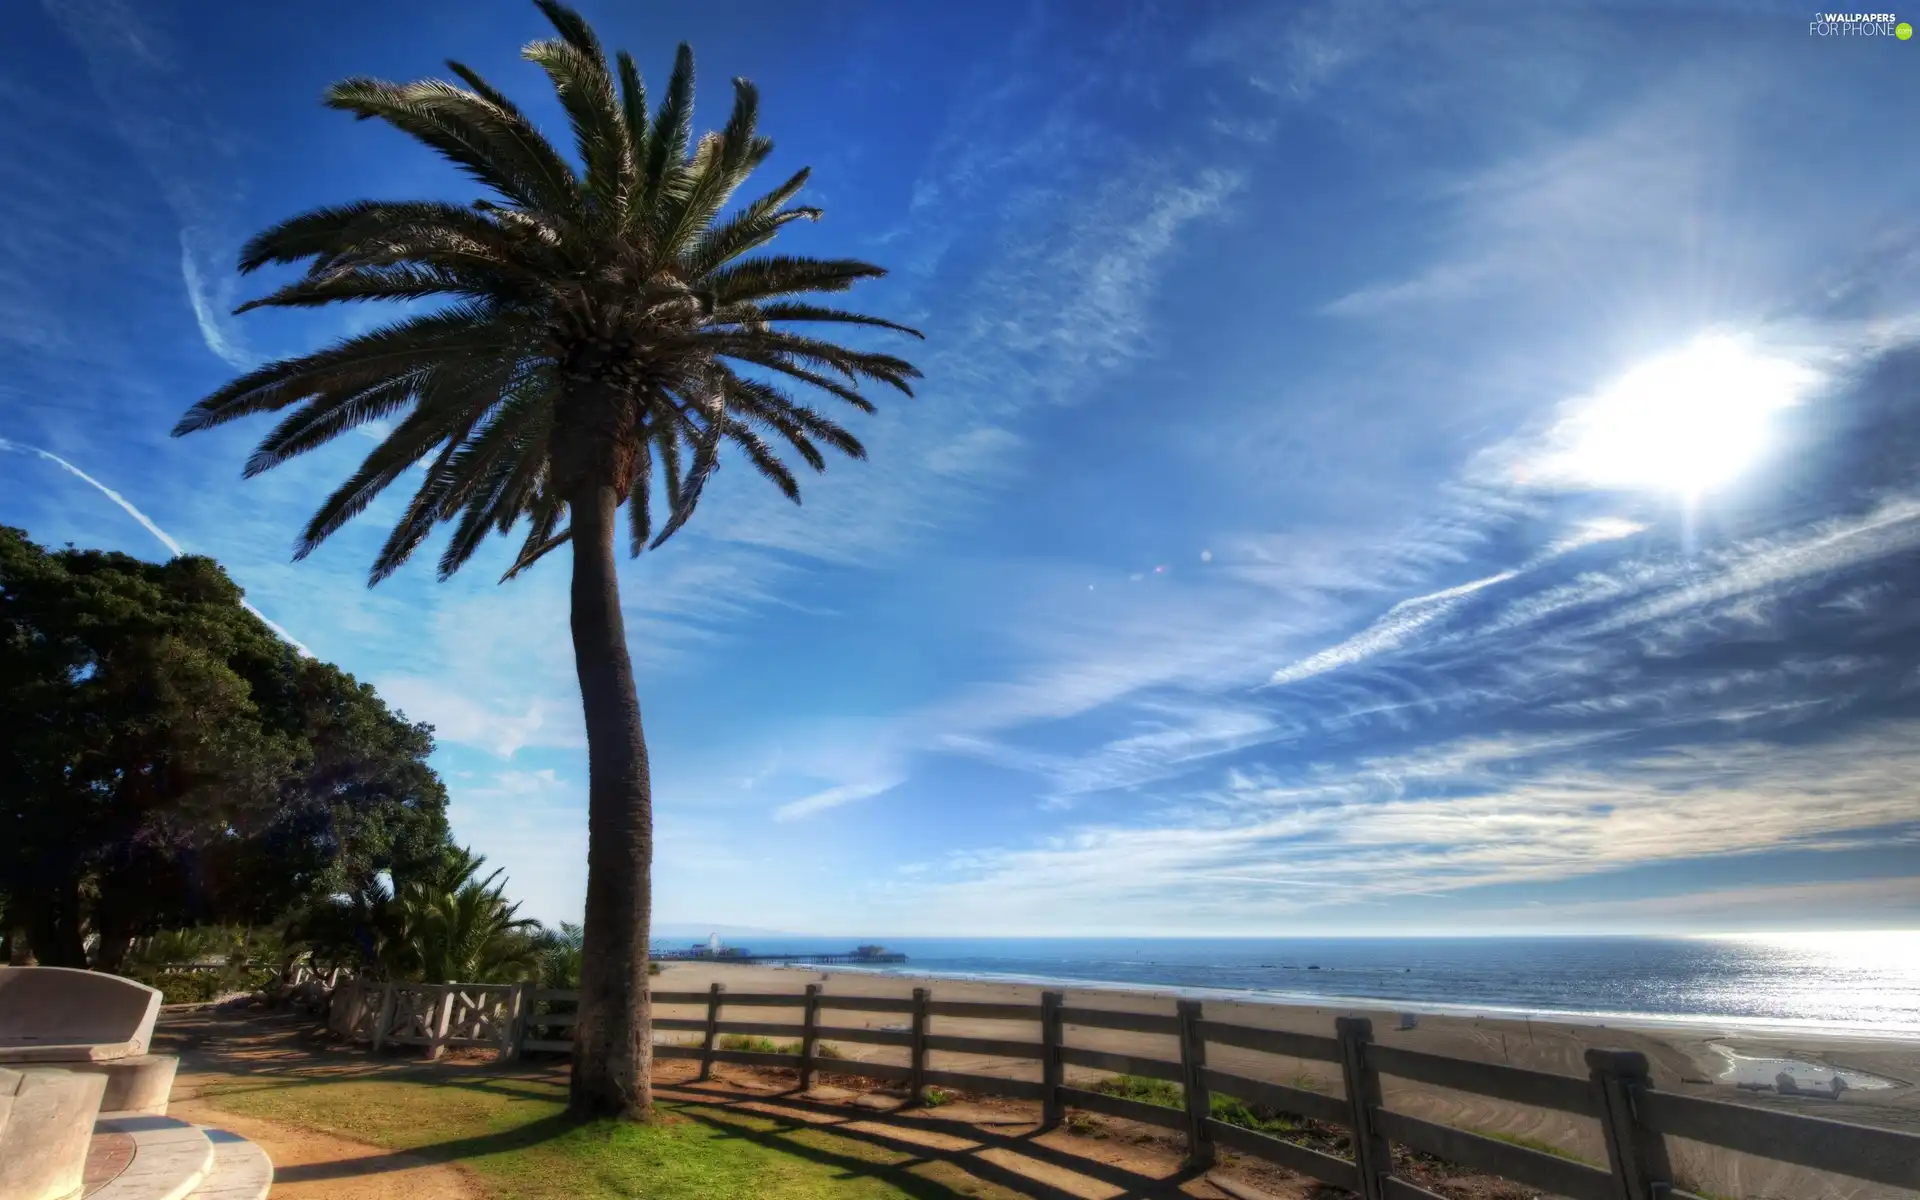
(1381, 468)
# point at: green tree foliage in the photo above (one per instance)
(172, 762)
(601, 328)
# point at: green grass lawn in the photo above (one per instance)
(513, 1134)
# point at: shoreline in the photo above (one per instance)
(1722, 1024)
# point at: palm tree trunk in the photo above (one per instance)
(612, 1046)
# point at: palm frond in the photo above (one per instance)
(672, 129)
(411, 344)
(578, 68)
(493, 145)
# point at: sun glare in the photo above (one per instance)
(1686, 422)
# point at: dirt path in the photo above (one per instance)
(312, 1166)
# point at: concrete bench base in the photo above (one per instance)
(135, 1086)
(46, 1125)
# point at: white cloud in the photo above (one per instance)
(1490, 812)
(833, 797)
(532, 823)
(493, 722)
(209, 305)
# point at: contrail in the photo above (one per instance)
(165, 538)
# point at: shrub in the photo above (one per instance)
(199, 987)
(934, 1097)
(1147, 1091)
(1228, 1109)
(757, 1045)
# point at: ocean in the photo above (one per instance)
(1861, 983)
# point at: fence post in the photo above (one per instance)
(441, 1013)
(1053, 1069)
(1193, 1068)
(1371, 1154)
(809, 1036)
(514, 1026)
(713, 1030)
(383, 1017)
(917, 1072)
(1636, 1155)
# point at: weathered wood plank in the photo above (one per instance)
(1121, 1064)
(922, 1020)
(1857, 1151)
(681, 1024)
(884, 1004)
(756, 1058)
(872, 1037)
(1120, 1106)
(699, 998)
(876, 1070)
(980, 1010)
(763, 999)
(1052, 1068)
(1193, 1079)
(999, 1047)
(810, 1037)
(1561, 1176)
(1273, 1041)
(987, 1085)
(1371, 1153)
(1279, 1097)
(1133, 1022)
(661, 1050)
(1538, 1089)
(1311, 1163)
(776, 1029)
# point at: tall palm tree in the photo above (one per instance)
(603, 326)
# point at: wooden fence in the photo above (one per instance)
(1633, 1119)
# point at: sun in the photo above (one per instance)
(1685, 422)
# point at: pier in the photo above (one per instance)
(852, 958)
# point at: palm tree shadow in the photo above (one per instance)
(521, 1137)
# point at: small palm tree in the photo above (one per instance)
(560, 956)
(468, 933)
(605, 328)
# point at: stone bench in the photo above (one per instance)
(88, 1022)
(58, 1014)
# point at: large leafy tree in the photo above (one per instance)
(602, 329)
(170, 761)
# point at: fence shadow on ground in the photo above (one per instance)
(892, 1131)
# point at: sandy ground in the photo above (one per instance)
(1683, 1059)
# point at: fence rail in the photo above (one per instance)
(1633, 1119)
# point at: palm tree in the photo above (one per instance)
(466, 932)
(602, 326)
